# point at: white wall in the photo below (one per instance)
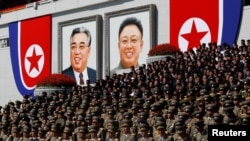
(244, 32)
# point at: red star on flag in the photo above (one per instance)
(194, 37)
(34, 60)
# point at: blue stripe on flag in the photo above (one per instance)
(232, 9)
(14, 53)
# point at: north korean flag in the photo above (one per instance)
(193, 22)
(30, 51)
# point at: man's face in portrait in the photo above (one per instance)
(79, 51)
(130, 46)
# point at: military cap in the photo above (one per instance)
(146, 92)
(245, 119)
(54, 127)
(96, 119)
(228, 121)
(121, 105)
(34, 129)
(80, 118)
(26, 129)
(171, 110)
(111, 111)
(246, 103)
(66, 130)
(149, 100)
(156, 92)
(173, 102)
(182, 115)
(23, 111)
(52, 103)
(223, 98)
(215, 96)
(26, 101)
(146, 106)
(167, 90)
(110, 122)
(196, 88)
(188, 108)
(185, 102)
(18, 102)
(154, 107)
(127, 115)
(5, 127)
(248, 89)
(82, 129)
(199, 123)
(83, 106)
(203, 91)
(247, 82)
(96, 95)
(14, 129)
(59, 112)
(126, 123)
(237, 97)
(115, 103)
(70, 113)
(125, 100)
(135, 107)
(179, 124)
(213, 85)
(143, 115)
(112, 129)
(221, 87)
(160, 125)
(210, 107)
(139, 101)
(41, 130)
(228, 105)
(198, 114)
(144, 126)
(159, 118)
(235, 88)
(93, 128)
(207, 97)
(217, 116)
(60, 121)
(190, 92)
(52, 119)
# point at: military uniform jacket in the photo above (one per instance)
(54, 139)
(199, 136)
(145, 139)
(176, 137)
(11, 138)
(163, 138)
(3, 136)
(170, 125)
(108, 138)
(24, 139)
(128, 137)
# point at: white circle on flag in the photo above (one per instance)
(200, 24)
(33, 70)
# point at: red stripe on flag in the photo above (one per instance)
(36, 31)
(182, 10)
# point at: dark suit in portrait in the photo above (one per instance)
(91, 73)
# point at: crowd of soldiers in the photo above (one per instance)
(175, 99)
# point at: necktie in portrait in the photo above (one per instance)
(81, 79)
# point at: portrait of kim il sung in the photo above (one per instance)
(79, 50)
